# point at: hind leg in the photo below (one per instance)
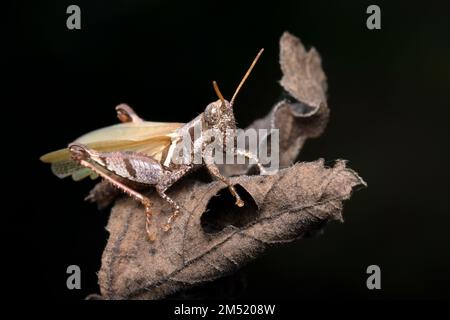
(81, 155)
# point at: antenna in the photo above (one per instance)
(219, 94)
(246, 76)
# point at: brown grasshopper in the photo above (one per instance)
(138, 152)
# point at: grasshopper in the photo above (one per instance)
(138, 152)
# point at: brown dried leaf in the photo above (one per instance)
(303, 76)
(213, 237)
(204, 246)
(303, 112)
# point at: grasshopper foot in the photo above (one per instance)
(170, 221)
(239, 202)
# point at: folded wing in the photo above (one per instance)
(150, 138)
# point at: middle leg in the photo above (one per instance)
(161, 188)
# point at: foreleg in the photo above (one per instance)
(249, 155)
(215, 172)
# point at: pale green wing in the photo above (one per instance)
(150, 138)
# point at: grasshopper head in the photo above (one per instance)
(219, 115)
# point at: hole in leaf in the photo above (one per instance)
(222, 211)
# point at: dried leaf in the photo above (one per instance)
(303, 76)
(292, 203)
(213, 237)
(302, 113)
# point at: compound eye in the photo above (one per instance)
(211, 113)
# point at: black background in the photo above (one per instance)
(389, 117)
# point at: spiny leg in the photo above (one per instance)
(79, 153)
(136, 167)
(126, 114)
(215, 172)
(136, 195)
